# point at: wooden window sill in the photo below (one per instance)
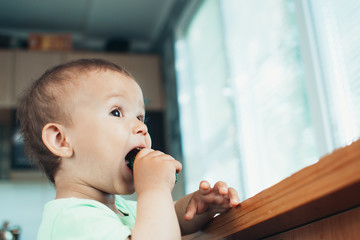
(328, 187)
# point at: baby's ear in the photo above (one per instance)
(54, 138)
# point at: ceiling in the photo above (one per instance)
(92, 22)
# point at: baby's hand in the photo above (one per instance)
(154, 169)
(218, 199)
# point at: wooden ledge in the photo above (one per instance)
(330, 186)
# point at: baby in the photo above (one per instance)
(79, 121)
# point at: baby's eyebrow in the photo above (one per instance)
(115, 95)
(141, 104)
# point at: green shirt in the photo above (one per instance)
(84, 219)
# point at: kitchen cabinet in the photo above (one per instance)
(29, 65)
(19, 69)
(6, 76)
(144, 68)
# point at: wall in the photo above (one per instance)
(22, 202)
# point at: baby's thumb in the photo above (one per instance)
(190, 211)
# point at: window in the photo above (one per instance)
(337, 28)
(207, 112)
(253, 109)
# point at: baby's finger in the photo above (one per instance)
(221, 188)
(204, 187)
(233, 197)
(144, 152)
(190, 211)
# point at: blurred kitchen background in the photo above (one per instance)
(248, 91)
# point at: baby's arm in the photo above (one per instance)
(196, 209)
(154, 178)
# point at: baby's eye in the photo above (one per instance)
(116, 113)
(141, 118)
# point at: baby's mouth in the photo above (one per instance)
(130, 158)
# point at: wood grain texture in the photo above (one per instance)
(325, 188)
(343, 226)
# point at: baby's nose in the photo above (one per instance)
(140, 128)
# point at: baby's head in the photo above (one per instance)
(82, 109)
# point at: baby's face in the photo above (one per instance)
(107, 111)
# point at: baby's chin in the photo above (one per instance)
(126, 189)
(126, 193)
